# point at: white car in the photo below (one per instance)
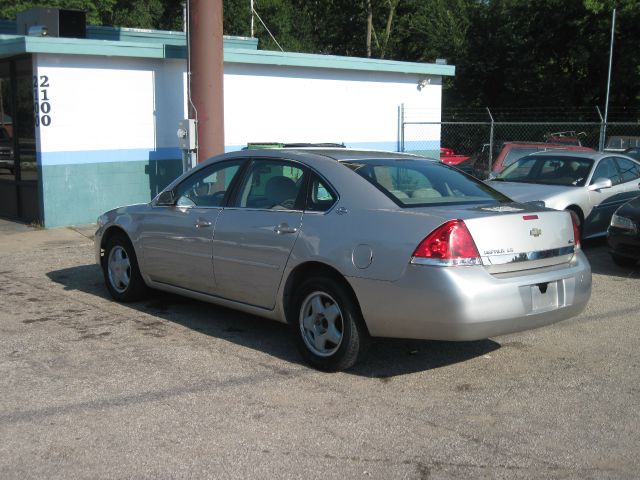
(592, 185)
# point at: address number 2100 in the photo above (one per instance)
(41, 101)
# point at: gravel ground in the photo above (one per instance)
(175, 388)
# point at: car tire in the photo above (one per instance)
(622, 261)
(121, 271)
(327, 324)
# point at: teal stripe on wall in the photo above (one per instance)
(107, 156)
(78, 194)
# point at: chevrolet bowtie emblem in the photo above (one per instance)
(535, 232)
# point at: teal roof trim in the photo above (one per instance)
(160, 36)
(17, 44)
(95, 32)
(123, 34)
(266, 57)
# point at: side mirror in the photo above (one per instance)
(166, 198)
(600, 184)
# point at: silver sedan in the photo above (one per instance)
(592, 185)
(344, 245)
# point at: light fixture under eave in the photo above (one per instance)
(423, 83)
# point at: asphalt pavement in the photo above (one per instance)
(175, 388)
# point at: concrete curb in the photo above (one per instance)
(20, 237)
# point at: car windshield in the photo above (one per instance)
(548, 169)
(419, 183)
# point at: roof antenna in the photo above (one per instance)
(253, 12)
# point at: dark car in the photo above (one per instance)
(623, 234)
(620, 143)
(633, 152)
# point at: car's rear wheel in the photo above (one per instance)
(121, 272)
(328, 325)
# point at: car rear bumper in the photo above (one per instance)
(468, 303)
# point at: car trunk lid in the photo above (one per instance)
(515, 237)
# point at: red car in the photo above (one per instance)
(448, 156)
(512, 151)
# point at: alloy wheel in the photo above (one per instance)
(321, 324)
(119, 268)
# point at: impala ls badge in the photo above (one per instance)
(535, 232)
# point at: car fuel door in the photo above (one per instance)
(254, 238)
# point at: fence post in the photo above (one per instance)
(402, 127)
(490, 144)
(603, 128)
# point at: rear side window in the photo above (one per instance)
(415, 183)
(517, 153)
(320, 197)
(272, 185)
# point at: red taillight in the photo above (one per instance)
(576, 228)
(449, 244)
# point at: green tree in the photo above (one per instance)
(159, 14)
(553, 52)
(94, 8)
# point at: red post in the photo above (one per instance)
(206, 59)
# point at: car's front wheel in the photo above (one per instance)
(121, 272)
(623, 261)
(328, 325)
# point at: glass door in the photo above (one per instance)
(19, 197)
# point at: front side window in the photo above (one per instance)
(606, 169)
(272, 185)
(414, 183)
(208, 187)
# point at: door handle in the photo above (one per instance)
(203, 224)
(284, 228)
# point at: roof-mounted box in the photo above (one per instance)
(52, 22)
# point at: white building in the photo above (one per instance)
(108, 106)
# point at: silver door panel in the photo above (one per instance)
(250, 252)
(177, 247)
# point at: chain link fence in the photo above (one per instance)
(482, 142)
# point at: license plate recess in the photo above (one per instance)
(544, 296)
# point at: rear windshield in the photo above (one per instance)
(517, 153)
(419, 183)
(548, 169)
